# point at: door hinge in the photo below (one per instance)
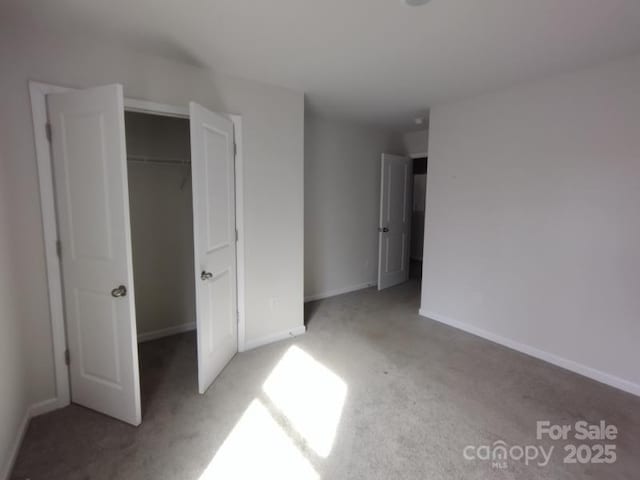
(59, 248)
(67, 357)
(235, 149)
(47, 128)
(237, 235)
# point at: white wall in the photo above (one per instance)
(533, 225)
(273, 123)
(342, 204)
(13, 385)
(160, 201)
(415, 142)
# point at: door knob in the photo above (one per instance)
(120, 291)
(205, 275)
(383, 229)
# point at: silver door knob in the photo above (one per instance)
(383, 229)
(205, 275)
(120, 291)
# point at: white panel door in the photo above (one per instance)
(92, 202)
(395, 220)
(214, 228)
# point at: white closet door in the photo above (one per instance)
(92, 200)
(213, 170)
(395, 220)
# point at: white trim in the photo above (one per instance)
(166, 332)
(45, 406)
(251, 344)
(154, 108)
(240, 256)
(339, 291)
(413, 156)
(15, 448)
(38, 92)
(565, 363)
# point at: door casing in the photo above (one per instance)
(38, 92)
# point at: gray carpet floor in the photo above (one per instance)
(372, 391)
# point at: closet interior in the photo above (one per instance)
(161, 215)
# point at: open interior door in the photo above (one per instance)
(92, 202)
(214, 229)
(395, 220)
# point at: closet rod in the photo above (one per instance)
(157, 160)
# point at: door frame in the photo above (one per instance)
(38, 92)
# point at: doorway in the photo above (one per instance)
(418, 217)
(80, 140)
(394, 229)
(403, 182)
(161, 215)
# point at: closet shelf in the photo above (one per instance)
(140, 159)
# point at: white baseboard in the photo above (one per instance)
(15, 448)
(43, 407)
(339, 291)
(34, 410)
(165, 332)
(251, 344)
(562, 362)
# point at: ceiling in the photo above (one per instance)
(377, 61)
